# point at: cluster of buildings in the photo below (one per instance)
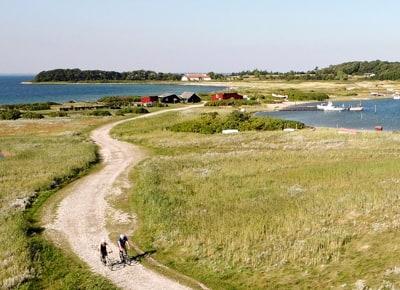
(150, 101)
(186, 97)
(195, 77)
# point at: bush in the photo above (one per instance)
(100, 113)
(231, 102)
(211, 123)
(10, 114)
(29, 107)
(130, 110)
(32, 115)
(58, 114)
(296, 95)
(118, 102)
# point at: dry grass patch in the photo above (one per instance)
(310, 209)
(39, 157)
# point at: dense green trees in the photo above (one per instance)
(77, 75)
(381, 70)
(211, 123)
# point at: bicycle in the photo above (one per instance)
(107, 261)
(123, 255)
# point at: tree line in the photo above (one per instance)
(77, 75)
(379, 70)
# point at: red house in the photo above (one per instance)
(148, 99)
(226, 96)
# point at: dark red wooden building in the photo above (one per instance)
(226, 96)
(149, 99)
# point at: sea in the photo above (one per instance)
(14, 91)
(377, 112)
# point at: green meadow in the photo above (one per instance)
(268, 210)
(37, 158)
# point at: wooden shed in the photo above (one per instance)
(226, 96)
(169, 99)
(149, 99)
(189, 97)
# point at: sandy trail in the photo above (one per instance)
(81, 216)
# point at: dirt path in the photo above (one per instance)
(81, 216)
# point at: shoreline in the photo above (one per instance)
(211, 84)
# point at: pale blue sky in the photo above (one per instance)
(194, 35)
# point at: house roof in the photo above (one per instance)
(187, 95)
(166, 95)
(196, 75)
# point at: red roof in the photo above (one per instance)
(149, 99)
(226, 96)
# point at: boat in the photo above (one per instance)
(396, 96)
(358, 108)
(330, 107)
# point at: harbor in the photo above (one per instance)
(382, 113)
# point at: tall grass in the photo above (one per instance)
(38, 156)
(311, 209)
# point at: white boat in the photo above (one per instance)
(356, 109)
(330, 107)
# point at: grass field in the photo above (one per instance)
(309, 209)
(343, 90)
(38, 156)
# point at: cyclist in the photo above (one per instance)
(123, 245)
(103, 252)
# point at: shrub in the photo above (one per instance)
(10, 114)
(117, 102)
(296, 95)
(231, 102)
(140, 110)
(32, 115)
(100, 113)
(160, 105)
(211, 123)
(130, 110)
(29, 107)
(58, 114)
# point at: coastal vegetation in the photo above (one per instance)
(100, 113)
(36, 158)
(298, 95)
(119, 101)
(132, 110)
(211, 123)
(29, 107)
(231, 102)
(32, 115)
(10, 114)
(268, 210)
(375, 70)
(77, 75)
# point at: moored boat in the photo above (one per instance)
(330, 107)
(356, 109)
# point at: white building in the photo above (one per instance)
(195, 77)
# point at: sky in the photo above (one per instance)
(194, 35)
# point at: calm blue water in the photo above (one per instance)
(387, 115)
(13, 92)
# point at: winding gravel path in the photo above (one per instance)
(81, 216)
